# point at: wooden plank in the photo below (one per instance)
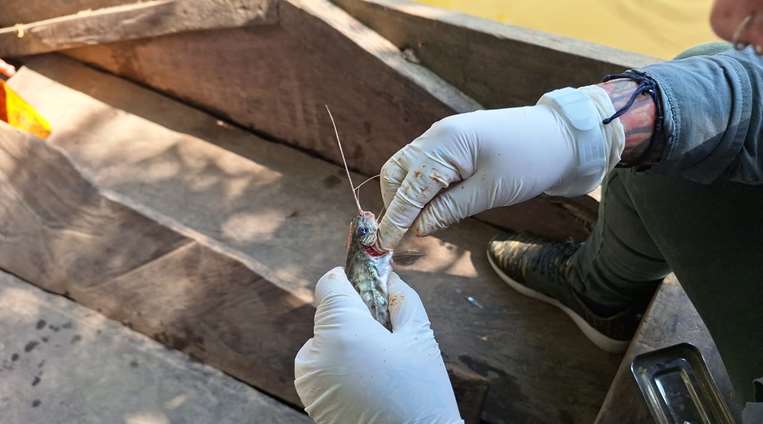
(670, 319)
(471, 390)
(285, 214)
(65, 236)
(85, 368)
(498, 65)
(132, 21)
(276, 80)
(24, 11)
(180, 292)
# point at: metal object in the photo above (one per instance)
(678, 387)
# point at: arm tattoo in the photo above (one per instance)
(638, 121)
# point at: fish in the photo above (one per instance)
(368, 266)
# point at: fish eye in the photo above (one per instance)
(362, 231)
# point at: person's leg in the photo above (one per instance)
(619, 265)
(648, 225)
(603, 284)
(712, 238)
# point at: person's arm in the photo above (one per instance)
(638, 120)
(707, 127)
(6, 69)
(465, 164)
(712, 124)
(713, 117)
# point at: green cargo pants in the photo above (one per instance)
(710, 236)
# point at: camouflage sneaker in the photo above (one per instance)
(541, 270)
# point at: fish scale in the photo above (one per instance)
(368, 267)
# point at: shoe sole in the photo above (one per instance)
(601, 341)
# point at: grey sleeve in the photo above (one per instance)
(713, 117)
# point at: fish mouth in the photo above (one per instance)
(375, 250)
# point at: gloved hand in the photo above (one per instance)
(495, 158)
(353, 370)
(6, 69)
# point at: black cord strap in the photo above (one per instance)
(646, 85)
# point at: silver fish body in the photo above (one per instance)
(368, 267)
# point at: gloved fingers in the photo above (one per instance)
(304, 362)
(422, 183)
(466, 199)
(337, 302)
(310, 377)
(7, 69)
(406, 311)
(449, 207)
(392, 175)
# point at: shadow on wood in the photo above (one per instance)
(285, 215)
(276, 79)
(65, 236)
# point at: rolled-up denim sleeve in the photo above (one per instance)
(713, 117)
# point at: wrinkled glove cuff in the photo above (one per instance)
(597, 147)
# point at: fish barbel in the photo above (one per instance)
(368, 266)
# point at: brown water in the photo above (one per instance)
(658, 28)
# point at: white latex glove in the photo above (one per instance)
(493, 158)
(6, 69)
(353, 370)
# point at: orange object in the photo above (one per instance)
(20, 114)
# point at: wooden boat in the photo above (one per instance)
(190, 186)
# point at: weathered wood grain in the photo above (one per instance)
(498, 65)
(670, 319)
(180, 292)
(64, 235)
(85, 368)
(276, 80)
(24, 11)
(471, 390)
(284, 214)
(132, 21)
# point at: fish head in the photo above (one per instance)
(364, 229)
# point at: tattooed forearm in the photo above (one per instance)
(638, 121)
